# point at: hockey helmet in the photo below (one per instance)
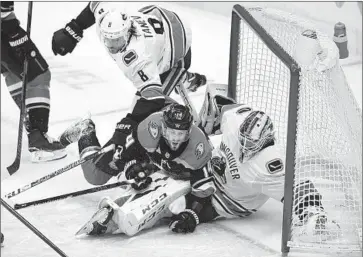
(255, 133)
(115, 29)
(176, 125)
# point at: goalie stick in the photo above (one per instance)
(58, 172)
(16, 164)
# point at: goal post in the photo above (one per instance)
(317, 120)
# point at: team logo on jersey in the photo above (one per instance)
(199, 150)
(129, 57)
(153, 129)
(274, 166)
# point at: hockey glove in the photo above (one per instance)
(123, 129)
(184, 222)
(65, 40)
(140, 172)
(19, 40)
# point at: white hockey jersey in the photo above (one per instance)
(163, 40)
(244, 187)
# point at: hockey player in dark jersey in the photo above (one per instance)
(15, 47)
(166, 142)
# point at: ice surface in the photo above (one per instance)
(88, 80)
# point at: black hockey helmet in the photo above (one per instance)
(177, 116)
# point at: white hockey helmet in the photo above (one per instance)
(255, 133)
(115, 29)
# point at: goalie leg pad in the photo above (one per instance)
(145, 208)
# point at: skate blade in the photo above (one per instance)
(86, 228)
(45, 156)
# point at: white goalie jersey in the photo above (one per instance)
(245, 186)
(162, 39)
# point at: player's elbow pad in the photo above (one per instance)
(86, 18)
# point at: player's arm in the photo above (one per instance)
(197, 202)
(202, 189)
(7, 12)
(131, 154)
(15, 36)
(65, 40)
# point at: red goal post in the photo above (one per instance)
(316, 117)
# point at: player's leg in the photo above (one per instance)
(37, 102)
(268, 177)
(137, 210)
(98, 170)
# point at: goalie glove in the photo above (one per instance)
(211, 112)
(184, 222)
(140, 172)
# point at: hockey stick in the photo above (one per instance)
(184, 95)
(58, 172)
(18, 206)
(16, 164)
(32, 228)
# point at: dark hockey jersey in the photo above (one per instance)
(189, 162)
(7, 10)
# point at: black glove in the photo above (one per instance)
(123, 129)
(140, 172)
(184, 222)
(19, 41)
(193, 82)
(65, 40)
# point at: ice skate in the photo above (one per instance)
(43, 148)
(97, 225)
(101, 222)
(316, 226)
(74, 132)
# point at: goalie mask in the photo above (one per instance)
(255, 133)
(115, 30)
(176, 125)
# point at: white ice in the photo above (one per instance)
(88, 80)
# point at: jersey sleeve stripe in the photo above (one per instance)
(93, 5)
(201, 182)
(184, 37)
(172, 80)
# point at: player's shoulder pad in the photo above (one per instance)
(199, 150)
(149, 131)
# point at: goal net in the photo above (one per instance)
(317, 120)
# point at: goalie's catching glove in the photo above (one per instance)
(184, 222)
(140, 172)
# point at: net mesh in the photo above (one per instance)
(329, 126)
